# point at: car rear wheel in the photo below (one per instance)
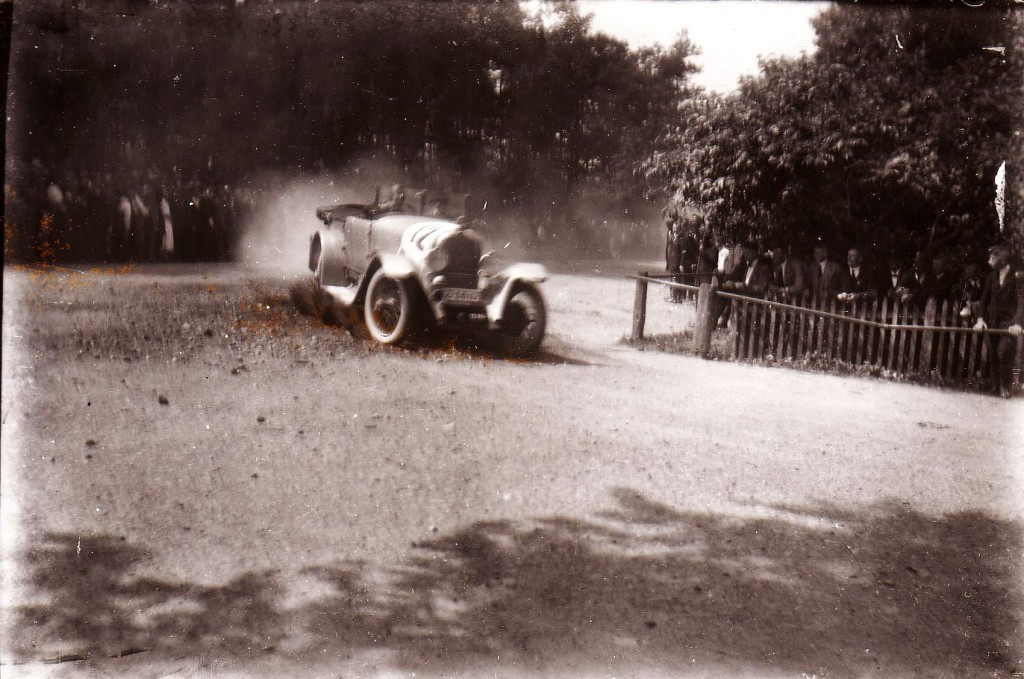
(522, 325)
(391, 309)
(323, 305)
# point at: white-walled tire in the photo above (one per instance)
(391, 309)
(522, 326)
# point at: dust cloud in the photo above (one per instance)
(282, 218)
(276, 235)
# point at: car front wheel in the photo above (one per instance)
(391, 309)
(522, 325)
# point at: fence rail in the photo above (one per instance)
(932, 342)
(640, 299)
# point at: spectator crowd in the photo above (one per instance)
(767, 269)
(153, 215)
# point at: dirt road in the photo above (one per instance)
(195, 470)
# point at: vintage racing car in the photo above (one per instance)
(409, 262)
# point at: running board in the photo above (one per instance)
(342, 294)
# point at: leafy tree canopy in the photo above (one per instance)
(451, 93)
(888, 136)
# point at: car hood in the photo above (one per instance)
(413, 235)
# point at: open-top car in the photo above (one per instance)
(409, 261)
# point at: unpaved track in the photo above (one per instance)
(300, 503)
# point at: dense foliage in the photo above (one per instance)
(888, 136)
(456, 94)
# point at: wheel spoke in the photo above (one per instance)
(387, 312)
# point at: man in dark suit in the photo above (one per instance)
(674, 256)
(897, 282)
(823, 275)
(730, 258)
(748, 276)
(941, 281)
(1000, 307)
(752, 274)
(858, 282)
(689, 253)
(916, 285)
(787, 283)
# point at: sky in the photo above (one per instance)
(731, 34)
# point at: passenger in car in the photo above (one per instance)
(396, 201)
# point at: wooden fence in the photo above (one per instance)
(668, 280)
(931, 342)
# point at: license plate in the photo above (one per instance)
(463, 296)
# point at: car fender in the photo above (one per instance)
(394, 265)
(327, 249)
(515, 277)
(397, 266)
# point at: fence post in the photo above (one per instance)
(926, 340)
(703, 328)
(1018, 360)
(736, 310)
(639, 308)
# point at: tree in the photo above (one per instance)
(889, 135)
(1014, 176)
(448, 93)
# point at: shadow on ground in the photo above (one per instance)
(881, 592)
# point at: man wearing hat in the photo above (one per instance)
(1000, 308)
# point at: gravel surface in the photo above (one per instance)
(202, 478)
